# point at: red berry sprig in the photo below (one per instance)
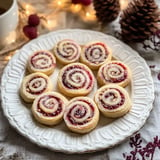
(86, 2)
(76, 1)
(83, 2)
(30, 30)
(33, 20)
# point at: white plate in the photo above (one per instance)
(59, 138)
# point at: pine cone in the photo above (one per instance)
(106, 10)
(140, 20)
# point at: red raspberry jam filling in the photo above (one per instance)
(90, 50)
(36, 85)
(116, 80)
(108, 106)
(51, 106)
(70, 86)
(80, 113)
(34, 60)
(68, 50)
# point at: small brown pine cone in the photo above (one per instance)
(140, 20)
(106, 10)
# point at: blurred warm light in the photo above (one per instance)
(90, 16)
(87, 13)
(59, 3)
(51, 24)
(27, 6)
(29, 9)
(7, 58)
(10, 38)
(124, 4)
(76, 8)
(62, 4)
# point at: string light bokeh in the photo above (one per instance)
(52, 17)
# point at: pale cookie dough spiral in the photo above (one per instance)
(115, 72)
(81, 115)
(49, 108)
(95, 54)
(113, 101)
(33, 85)
(75, 79)
(67, 51)
(42, 61)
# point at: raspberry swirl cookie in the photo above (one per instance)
(42, 61)
(48, 108)
(81, 115)
(75, 79)
(33, 85)
(94, 54)
(67, 51)
(115, 72)
(113, 101)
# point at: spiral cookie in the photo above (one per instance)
(48, 108)
(75, 79)
(81, 115)
(113, 101)
(33, 85)
(42, 61)
(95, 54)
(67, 51)
(115, 72)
